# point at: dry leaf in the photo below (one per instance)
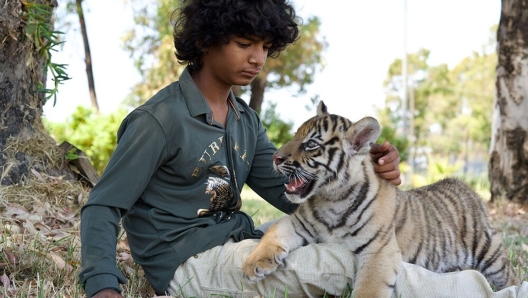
(5, 280)
(38, 175)
(39, 226)
(29, 227)
(129, 270)
(59, 234)
(61, 264)
(68, 216)
(34, 217)
(524, 247)
(10, 256)
(74, 168)
(12, 228)
(123, 256)
(12, 210)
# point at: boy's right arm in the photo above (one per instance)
(124, 179)
(99, 232)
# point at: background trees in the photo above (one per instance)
(88, 55)
(449, 116)
(508, 166)
(71, 21)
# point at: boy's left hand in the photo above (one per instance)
(386, 160)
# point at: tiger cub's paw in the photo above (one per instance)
(262, 262)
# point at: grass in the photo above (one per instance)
(512, 222)
(260, 210)
(40, 243)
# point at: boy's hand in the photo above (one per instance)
(107, 294)
(386, 162)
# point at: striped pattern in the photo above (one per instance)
(443, 227)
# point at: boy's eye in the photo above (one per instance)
(243, 44)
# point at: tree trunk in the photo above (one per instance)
(88, 56)
(257, 92)
(22, 69)
(508, 167)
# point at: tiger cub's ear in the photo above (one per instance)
(321, 109)
(361, 135)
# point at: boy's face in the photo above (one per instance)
(237, 62)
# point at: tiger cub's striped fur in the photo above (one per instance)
(442, 227)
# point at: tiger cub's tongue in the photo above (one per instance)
(294, 184)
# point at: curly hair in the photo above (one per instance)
(201, 24)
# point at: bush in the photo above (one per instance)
(279, 131)
(95, 135)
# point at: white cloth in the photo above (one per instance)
(313, 271)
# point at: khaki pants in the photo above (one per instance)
(313, 271)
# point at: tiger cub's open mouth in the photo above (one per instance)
(298, 185)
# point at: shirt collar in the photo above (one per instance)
(195, 100)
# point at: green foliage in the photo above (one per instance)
(390, 133)
(71, 155)
(151, 46)
(401, 143)
(450, 108)
(279, 131)
(300, 61)
(94, 134)
(476, 88)
(438, 168)
(39, 27)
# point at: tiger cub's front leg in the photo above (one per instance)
(272, 249)
(377, 270)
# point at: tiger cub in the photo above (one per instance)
(442, 227)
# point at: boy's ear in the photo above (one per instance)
(362, 135)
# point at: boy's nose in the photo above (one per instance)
(258, 58)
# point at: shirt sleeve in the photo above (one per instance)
(140, 151)
(99, 230)
(263, 180)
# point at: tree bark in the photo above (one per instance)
(88, 56)
(22, 69)
(258, 85)
(508, 167)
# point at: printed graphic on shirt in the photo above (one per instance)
(223, 200)
(208, 155)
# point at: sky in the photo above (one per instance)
(364, 38)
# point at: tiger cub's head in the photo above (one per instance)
(321, 155)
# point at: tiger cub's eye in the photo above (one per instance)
(311, 145)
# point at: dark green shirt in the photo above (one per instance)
(159, 177)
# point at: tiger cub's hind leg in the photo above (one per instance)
(495, 264)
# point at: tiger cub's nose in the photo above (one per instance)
(277, 159)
